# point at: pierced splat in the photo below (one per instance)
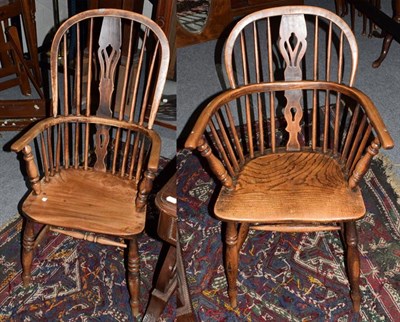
(109, 53)
(102, 139)
(293, 45)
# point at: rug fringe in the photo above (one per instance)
(392, 176)
(9, 221)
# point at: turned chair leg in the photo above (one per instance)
(243, 232)
(133, 275)
(28, 242)
(231, 261)
(353, 264)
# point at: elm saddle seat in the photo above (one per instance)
(87, 200)
(290, 187)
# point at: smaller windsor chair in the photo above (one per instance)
(97, 155)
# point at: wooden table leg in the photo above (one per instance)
(387, 41)
(165, 287)
(171, 279)
(184, 310)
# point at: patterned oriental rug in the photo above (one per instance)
(290, 277)
(75, 280)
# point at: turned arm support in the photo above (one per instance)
(215, 164)
(146, 184)
(145, 187)
(363, 164)
(32, 169)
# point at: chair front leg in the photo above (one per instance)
(28, 242)
(133, 275)
(353, 264)
(231, 261)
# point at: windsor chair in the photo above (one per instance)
(289, 153)
(97, 155)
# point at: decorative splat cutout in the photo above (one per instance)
(109, 53)
(293, 45)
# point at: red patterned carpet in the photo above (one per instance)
(290, 277)
(73, 280)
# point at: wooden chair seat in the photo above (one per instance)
(291, 187)
(87, 200)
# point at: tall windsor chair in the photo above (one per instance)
(97, 155)
(289, 154)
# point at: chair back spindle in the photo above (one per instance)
(253, 52)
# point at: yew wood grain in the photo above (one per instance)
(87, 200)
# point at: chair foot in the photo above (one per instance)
(233, 298)
(356, 299)
(231, 261)
(133, 276)
(28, 242)
(353, 264)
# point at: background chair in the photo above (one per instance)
(17, 69)
(251, 53)
(290, 154)
(97, 156)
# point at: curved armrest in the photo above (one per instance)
(22, 144)
(232, 144)
(229, 95)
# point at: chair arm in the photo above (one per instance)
(371, 111)
(32, 133)
(22, 144)
(382, 136)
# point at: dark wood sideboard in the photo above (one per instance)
(221, 15)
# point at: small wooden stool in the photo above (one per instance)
(172, 274)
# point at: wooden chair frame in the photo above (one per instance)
(91, 166)
(347, 142)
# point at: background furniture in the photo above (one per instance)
(290, 154)
(17, 69)
(97, 157)
(387, 41)
(172, 278)
(371, 10)
(221, 13)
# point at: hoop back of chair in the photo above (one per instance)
(109, 63)
(291, 43)
(108, 70)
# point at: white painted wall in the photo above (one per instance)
(45, 17)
